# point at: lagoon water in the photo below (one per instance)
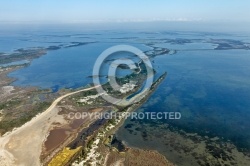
(211, 88)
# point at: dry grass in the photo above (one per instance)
(64, 157)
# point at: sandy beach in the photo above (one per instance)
(23, 146)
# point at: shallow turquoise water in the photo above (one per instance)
(211, 88)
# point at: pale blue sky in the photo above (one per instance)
(69, 11)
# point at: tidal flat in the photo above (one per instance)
(208, 83)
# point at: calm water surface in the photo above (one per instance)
(211, 88)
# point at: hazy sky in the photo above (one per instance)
(68, 11)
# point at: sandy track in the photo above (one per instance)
(23, 146)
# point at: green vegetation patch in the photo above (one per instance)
(8, 124)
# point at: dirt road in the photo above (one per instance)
(23, 146)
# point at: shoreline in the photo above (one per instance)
(7, 136)
(110, 129)
(211, 149)
(27, 126)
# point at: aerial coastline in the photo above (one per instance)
(72, 132)
(54, 121)
(124, 83)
